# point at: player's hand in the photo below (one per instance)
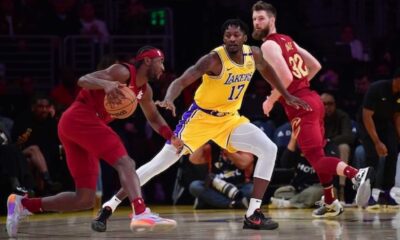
(267, 106)
(297, 103)
(167, 105)
(177, 143)
(381, 149)
(113, 92)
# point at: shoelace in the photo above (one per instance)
(320, 203)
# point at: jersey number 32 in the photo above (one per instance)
(299, 69)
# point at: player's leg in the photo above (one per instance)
(162, 161)
(311, 142)
(249, 138)
(114, 153)
(83, 169)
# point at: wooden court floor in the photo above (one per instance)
(353, 224)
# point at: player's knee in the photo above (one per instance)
(125, 163)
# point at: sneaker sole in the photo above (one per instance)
(329, 214)
(99, 226)
(11, 218)
(364, 190)
(155, 227)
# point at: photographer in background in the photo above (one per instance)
(228, 183)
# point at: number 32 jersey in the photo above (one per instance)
(224, 93)
(293, 59)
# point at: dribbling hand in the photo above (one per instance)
(167, 105)
(113, 93)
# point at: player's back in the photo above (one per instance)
(225, 92)
(293, 60)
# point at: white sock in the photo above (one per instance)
(112, 203)
(254, 204)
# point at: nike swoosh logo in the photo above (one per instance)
(257, 222)
(228, 69)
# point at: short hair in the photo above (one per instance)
(260, 5)
(235, 22)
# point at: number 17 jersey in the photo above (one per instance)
(224, 93)
(293, 59)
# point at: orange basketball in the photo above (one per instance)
(125, 108)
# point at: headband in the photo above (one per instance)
(151, 53)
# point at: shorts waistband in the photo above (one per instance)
(214, 112)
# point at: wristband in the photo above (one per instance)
(165, 132)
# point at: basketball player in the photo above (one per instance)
(226, 72)
(295, 67)
(86, 138)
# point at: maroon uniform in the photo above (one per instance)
(311, 136)
(86, 137)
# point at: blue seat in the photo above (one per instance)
(282, 135)
(268, 127)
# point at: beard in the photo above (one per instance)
(260, 34)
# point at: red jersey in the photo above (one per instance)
(294, 61)
(95, 98)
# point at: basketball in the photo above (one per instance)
(125, 108)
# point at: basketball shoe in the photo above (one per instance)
(362, 182)
(395, 194)
(259, 222)
(99, 224)
(15, 213)
(148, 221)
(327, 210)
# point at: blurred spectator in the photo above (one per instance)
(91, 25)
(12, 22)
(13, 165)
(338, 130)
(380, 129)
(35, 133)
(136, 19)
(64, 94)
(228, 183)
(61, 20)
(329, 80)
(347, 37)
(352, 102)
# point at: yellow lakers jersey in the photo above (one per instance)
(224, 93)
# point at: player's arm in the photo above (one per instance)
(311, 62)
(371, 129)
(109, 79)
(104, 79)
(272, 53)
(206, 64)
(267, 71)
(156, 121)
